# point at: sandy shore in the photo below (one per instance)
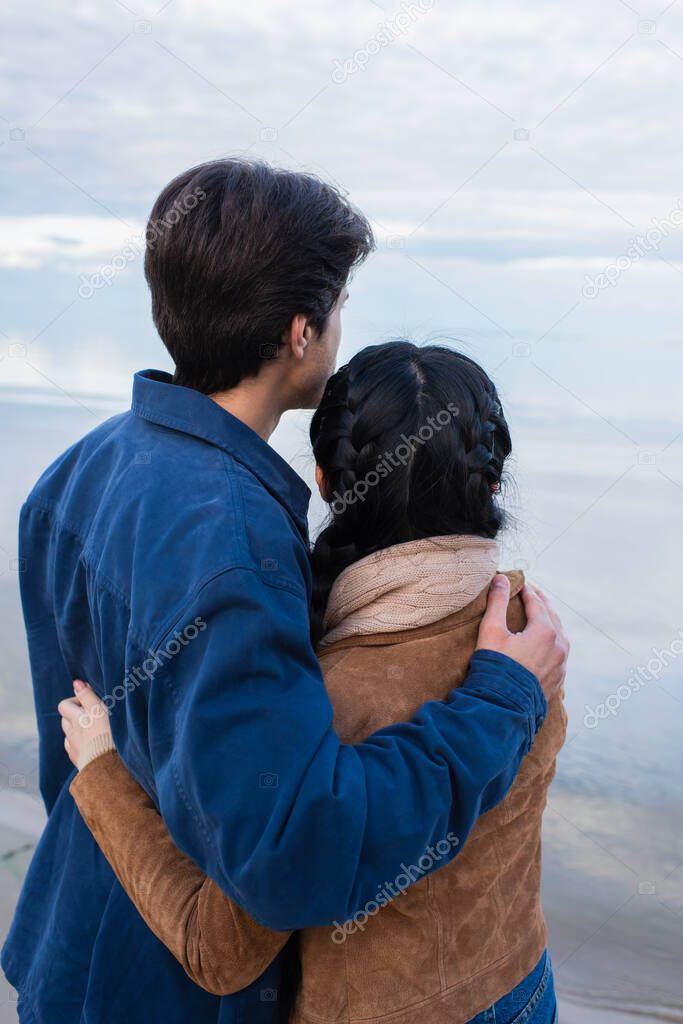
(587, 1013)
(21, 822)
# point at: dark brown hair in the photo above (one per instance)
(412, 442)
(235, 249)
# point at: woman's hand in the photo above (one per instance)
(84, 719)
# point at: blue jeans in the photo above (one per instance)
(531, 1002)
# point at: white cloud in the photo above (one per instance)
(81, 241)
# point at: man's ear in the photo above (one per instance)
(298, 335)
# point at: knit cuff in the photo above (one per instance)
(95, 748)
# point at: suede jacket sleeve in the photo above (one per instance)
(218, 944)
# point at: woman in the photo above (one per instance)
(410, 445)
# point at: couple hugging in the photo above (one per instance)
(323, 802)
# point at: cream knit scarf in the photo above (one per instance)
(409, 585)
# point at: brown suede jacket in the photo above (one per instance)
(443, 950)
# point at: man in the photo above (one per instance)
(167, 563)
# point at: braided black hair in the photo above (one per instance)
(411, 442)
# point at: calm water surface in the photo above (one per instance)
(597, 523)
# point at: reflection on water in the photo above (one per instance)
(598, 526)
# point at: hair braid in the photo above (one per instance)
(347, 456)
(484, 463)
(411, 443)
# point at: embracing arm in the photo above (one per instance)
(218, 944)
(255, 786)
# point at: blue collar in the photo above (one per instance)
(157, 399)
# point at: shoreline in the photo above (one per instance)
(573, 1011)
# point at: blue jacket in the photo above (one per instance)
(165, 560)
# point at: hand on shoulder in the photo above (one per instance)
(542, 647)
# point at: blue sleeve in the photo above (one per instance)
(256, 787)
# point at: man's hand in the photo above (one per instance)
(541, 647)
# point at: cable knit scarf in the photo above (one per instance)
(409, 585)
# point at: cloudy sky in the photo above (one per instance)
(504, 153)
